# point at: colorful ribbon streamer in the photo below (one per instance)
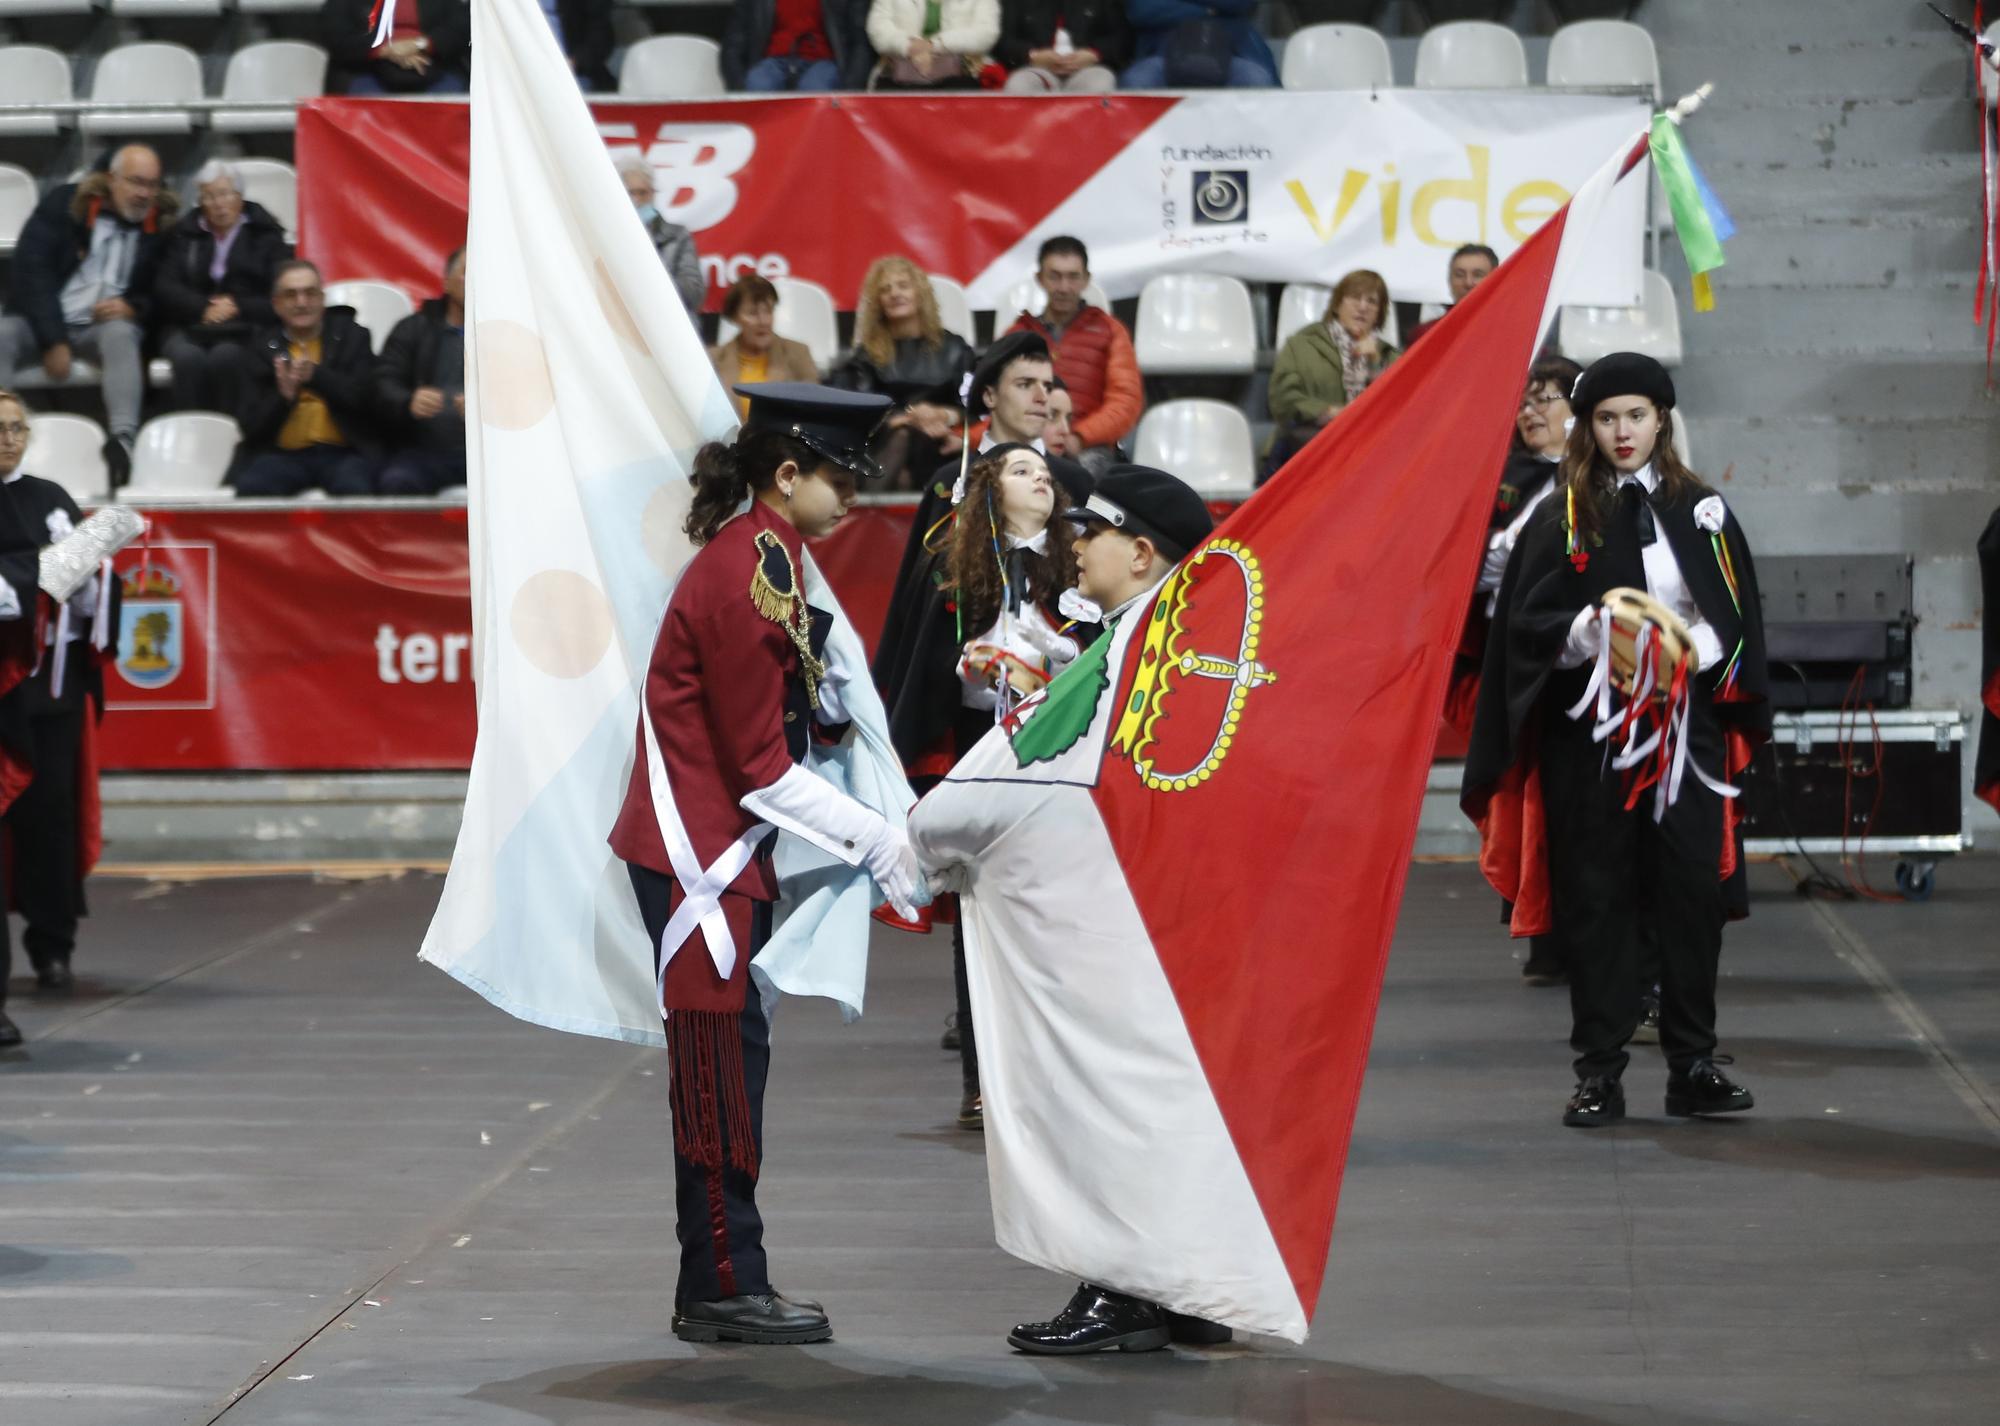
(1700, 221)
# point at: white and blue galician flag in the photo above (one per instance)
(588, 392)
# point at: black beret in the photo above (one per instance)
(1621, 374)
(994, 360)
(1138, 500)
(833, 423)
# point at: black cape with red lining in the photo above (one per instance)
(27, 663)
(1520, 684)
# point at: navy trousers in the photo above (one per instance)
(715, 1209)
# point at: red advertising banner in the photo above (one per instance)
(283, 637)
(335, 637)
(951, 182)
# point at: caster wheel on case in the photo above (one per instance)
(1916, 880)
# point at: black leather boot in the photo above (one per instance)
(1189, 1331)
(1096, 1320)
(10, 1033)
(1597, 1101)
(55, 978)
(1704, 1089)
(764, 1318)
(972, 1111)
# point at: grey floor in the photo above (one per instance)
(267, 1168)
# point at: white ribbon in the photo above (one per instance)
(701, 888)
(1609, 717)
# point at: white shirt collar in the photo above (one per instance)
(987, 443)
(1147, 593)
(1038, 542)
(1644, 475)
(10, 479)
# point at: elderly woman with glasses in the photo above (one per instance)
(213, 286)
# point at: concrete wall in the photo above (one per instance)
(1841, 374)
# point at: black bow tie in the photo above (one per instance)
(1632, 495)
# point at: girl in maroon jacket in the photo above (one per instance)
(735, 690)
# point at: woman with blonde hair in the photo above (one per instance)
(902, 351)
(1328, 363)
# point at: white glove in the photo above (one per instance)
(816, 811)
(1059, 649)
(1586, 638)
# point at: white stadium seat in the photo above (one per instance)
(1653, 328)
(32, 74)
(378, 306)
(32, 378)
(10, 9)
(805, 314)
(1303, 303)
(672, 67)
(1337, 57)
(1192, 323)
(274, 185)
(1592, 54)
(152, 73)
(954, 307)
(1989, 82)
(1206, 443)
(70, 451)
(185, 454)
(1471, 54)
(18, 196)
(279, 73)
(1027, 296)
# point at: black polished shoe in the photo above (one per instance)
(1704, 1089)
(1647, 1031)
(1096, 1320)
(1598, 1100)
(972, 1112)
(10, 1033)
(1543, 973)
(949, 1040)
(55, 977)
(1189, 1331)
(762, 1318)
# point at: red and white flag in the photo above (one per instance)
(1182, 872)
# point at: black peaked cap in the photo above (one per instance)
(1139, 500)
(833, 423)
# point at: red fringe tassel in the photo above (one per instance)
(711, 1102)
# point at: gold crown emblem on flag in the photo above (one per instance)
(150, 582)
(1168, 666)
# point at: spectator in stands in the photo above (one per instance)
(902, 350)
(1328, 363)
(1058, 436)
(932, 44)
(215, 271)
(807, 45)
(583, 29)
(757, 352)
(308, 405)
(428, 50)
(1470, 266)
(1092, 351)
(1197, 44)
(1074, 45)
(82, 286)
(674, 243)
(420, 386)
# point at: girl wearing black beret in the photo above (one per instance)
(1586, 826)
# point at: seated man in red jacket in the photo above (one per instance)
(1090, 347)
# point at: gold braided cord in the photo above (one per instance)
(787, 609)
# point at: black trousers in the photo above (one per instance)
(1612, 871)
(42, 832)
(716, 1220)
